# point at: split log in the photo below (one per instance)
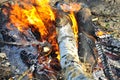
(68, 50)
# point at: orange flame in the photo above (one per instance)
(36, 13)
(100, 33)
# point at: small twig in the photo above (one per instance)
(30, 70)
(25, 73)
(23, 44)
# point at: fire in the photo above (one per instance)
(74, 25)
(39, 15)
(72, 7)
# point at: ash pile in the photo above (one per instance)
(38, 46)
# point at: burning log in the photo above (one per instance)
(68, 50)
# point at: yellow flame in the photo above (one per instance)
(74, 25)
(39, 15)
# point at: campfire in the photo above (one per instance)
(37, 16)
(51, 42)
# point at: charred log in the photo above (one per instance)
(83, 17)
(86, 37)
(28, 58)
(111, 45)
(106, 67)
(86, 51)
(110, 51)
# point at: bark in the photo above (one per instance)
(69, 59)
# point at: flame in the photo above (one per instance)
(72, 7)
(39, 15)
(74, 25)
(36, 13)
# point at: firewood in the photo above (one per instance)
(86, 38)
(68, 50)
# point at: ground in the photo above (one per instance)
(107, 14)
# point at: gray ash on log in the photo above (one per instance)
(111, 57)
(14, 59)
(106, 67)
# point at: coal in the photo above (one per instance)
(28, 58)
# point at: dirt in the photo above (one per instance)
(107, 15)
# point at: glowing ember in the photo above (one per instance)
(100, 33)
(39, 15)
